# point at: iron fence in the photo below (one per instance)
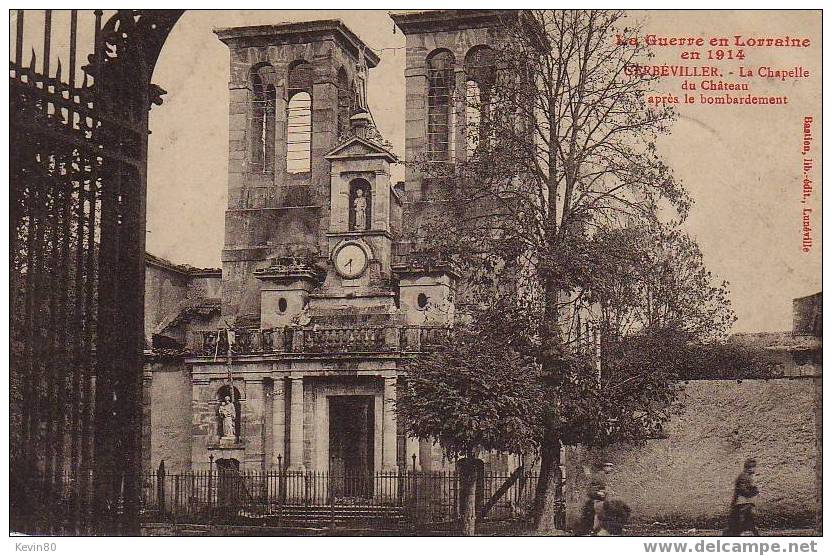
(308, 498)
(400, 499)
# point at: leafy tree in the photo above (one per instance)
(553, 213)
(654, 277)
(473, 394)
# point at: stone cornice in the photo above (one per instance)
(448, 20)
(354, 234)
(183, 269)
(220, 362)
(289, 274)
(419, 268)
(292, 33)
(374, 149)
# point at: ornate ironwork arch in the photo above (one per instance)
(79, 185)
(131, 42)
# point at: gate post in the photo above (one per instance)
(160, 488)
(281, 489)
(175, 498)
(415, 486)
(331, 501)
(210, 485)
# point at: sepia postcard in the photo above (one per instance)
(480, 271)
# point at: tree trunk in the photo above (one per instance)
(548, 483)
(468, 471)
(549, 480)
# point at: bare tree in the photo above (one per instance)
(561, 146)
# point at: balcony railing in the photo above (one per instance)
(364, 339)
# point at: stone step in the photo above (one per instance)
(324, 515)
(192, 530)
(338, 508)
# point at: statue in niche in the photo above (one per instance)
(227, 413)
(359, 207)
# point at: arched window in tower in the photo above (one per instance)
(262, 118)
(346, 102)
(299, 118)
(440, 106)
(480, 74)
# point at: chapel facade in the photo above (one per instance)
(289, 357)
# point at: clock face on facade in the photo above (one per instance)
(350, 260)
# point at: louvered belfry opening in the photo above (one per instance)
(263, 106)
(440, 105)
(299, 118)
(480, 110)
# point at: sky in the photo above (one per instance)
(742, 165)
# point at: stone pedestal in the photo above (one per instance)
(227, 441)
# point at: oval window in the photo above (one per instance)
(282, 304)
(422, 301)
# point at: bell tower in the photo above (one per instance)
(292, 90)
(444, 54)
(449, 55)
(362, 203)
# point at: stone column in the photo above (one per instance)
(204, 421)
(296, 425)
(416, 88)
(388, 450)
(278, 421)
(381, 201)
(239, 101)
(147, 419)
(425, 455)
(280, 137)
(458, 139)
(324, 114)
(412, 450)
(252, 415)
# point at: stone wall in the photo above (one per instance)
(687, 478)
(170, 417)
(165, 287)
(808, 314)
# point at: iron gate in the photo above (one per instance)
(78, 165)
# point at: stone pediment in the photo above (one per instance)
(356, 147)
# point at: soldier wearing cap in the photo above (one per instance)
(741, 515)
